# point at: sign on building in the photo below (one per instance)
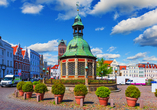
(19, 72)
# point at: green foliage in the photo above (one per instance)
(132, 91)
(103, 92)
(149, 82)
(155, 93)
(20, 84)
(58, 88)
(27, 87)
(80, 90)
(102, 69)
(36, 82)
(41, 88)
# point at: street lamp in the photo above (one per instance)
(43, 71)
(86, 78)
(47, 73)
(115, 73)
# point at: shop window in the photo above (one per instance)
(89, 69)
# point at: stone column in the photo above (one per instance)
(76, 68)
(61, 68)
(93, 64)
(77, 30)
(67, 68)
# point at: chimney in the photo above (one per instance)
(0, 37)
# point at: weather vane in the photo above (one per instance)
(77, 4)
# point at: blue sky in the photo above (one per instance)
(125, 30)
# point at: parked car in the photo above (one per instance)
(32, 80)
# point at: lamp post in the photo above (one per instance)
(115, 74)
(86, 78)
(101, 74)
(47, 74)
(43, 72)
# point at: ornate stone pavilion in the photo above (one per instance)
(78, 56)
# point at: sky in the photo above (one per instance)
(125, 30)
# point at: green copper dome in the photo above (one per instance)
(78, 47)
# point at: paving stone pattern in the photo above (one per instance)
(92, 102)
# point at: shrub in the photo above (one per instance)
(132, 91)
(80, 90)
(36, 82)
(41, 88)
(27, 87)
(20, 84)
(103, 92)
(58, 88)
(155, 93)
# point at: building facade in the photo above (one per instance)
(21, 62)
(41, 66)
(54, 71)
(6, 59)
(34, 59)
(61, 48)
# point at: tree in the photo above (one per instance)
(102, 68)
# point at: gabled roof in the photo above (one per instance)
(23, 52)
(121, 67)
(108, 61)
(15, 49)
(55, 67)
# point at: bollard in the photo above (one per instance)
(24, 96)
(111, 103)
(16, 94)
(56, 100)
(81, 102)
(38, 98)
(141, 103)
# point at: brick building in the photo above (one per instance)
(61, 48)
(21, 62)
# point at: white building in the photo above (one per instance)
(55, 71)
(133, 70)
(34, 59)
(6, 58)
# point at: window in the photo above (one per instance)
(10, 71)
(7, 54)
(60, 50)
(16, 65)
(11, 55)
(63, 50)
(7, 71)
(19, 65)
(2, 61)
(2, 52)
(64, 69)
(7, 62)
(71, 68)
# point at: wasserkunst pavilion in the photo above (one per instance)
(78, 56)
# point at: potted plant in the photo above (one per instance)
(58, 89)
(28, 89)
(19, 87)
(35, 83)
(80, 91)
(40, 89)
(155, 92)
(132, 94)
(103, 94)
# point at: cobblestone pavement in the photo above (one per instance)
(8, 103)
(92, 102)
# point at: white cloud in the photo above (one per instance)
(96, 51)
(132, 24)
(51, 59)
(122, 6)
(31, 8)
(137, 56)
(152, 58)
(99, 29)
(116, 15)
(111, 48)
(3, 2)
(108, 56)
(148, 38)
(45, 47)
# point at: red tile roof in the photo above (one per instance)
(15, 49)
(108, 61)
(55, 67)
(121, 67)
(23, 52)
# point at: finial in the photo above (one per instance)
(77, 4)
